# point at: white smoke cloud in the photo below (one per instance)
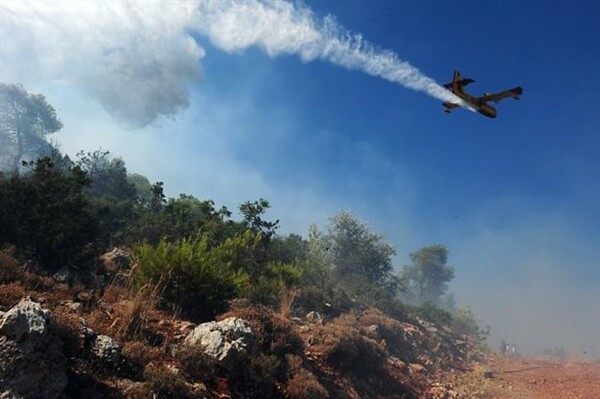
(290, 28)
(139, 58)
(132, 57)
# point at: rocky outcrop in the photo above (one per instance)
(106, 350)
(230, 341)
(31, 362)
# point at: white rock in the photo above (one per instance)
(229, 341)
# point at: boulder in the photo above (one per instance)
(25, 321)
(230, 341)
(32, 364)
(106, 349)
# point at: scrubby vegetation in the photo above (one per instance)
(191, 260)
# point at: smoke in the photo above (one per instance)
(138, 59)
(281, 27)
(133, 58)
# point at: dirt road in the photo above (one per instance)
(545, 379)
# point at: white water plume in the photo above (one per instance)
(279, 26)
(138, 59)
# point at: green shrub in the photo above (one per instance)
(431, 313)
(46, 215)
(192, 276)
(464, 322)
(275, 279)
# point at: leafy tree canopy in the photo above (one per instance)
(25, 121)
(427, 278)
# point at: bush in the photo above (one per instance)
(431, 313)
(464, 322)
(162, 382)
(192, 276)
(275, 334)
(352, 352)
(45, 214)
(196, 364)
(138, 354)
(304, 385)
(391, 331)
(274, 281)
(343, 346)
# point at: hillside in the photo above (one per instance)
(119, 344)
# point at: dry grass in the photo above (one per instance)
(471, 384)
(286, 303)
(68, 326)
(114, 293)
(13, 271)
(10, 295)
(128, 318)
(139, 353)
(134, 313)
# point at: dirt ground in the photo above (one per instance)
(527, 378)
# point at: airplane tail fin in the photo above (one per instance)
(458, 82)
(455, 79)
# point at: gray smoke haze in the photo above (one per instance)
(534, 280)
(138, 59)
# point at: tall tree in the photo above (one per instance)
(25, 121)
(357, 251)
(253, 213)
(46, 215)
(426, 280)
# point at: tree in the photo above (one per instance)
(288, 249)
(354, 261)
(46, 215)
(426, 280)
(111, 194)
(143, 188)
(25, 121)
(252, 212)
(356, 251)
(108, 175)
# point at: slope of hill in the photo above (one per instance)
(114, 343)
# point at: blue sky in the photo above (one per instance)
(516, 199)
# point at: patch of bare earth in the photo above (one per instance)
(529, 378)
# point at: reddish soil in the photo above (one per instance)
(545, 379)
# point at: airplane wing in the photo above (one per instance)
(514, 93)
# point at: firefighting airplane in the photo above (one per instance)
(479, 104)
